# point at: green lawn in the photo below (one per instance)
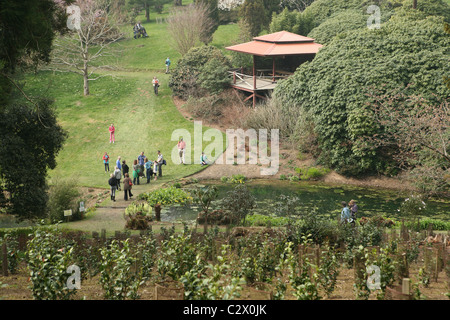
(143, 121)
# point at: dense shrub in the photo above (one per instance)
(47, 260)
(425, 224)
(117, 277)
(292, 21)
(347, 20)
(63, 195)
(201, 70)
(333, 88)
(311, 173)
(273, 114)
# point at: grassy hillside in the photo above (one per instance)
(143, 121)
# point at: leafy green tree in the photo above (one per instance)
(30, 137)
(143, 5)
(408, 52)
(191, 72)
(239, 202)
(254, 13)
(293, 21)
(30, 140)
(213, 13)
(338, 24)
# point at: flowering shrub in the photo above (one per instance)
(413, 206)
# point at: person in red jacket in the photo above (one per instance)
(111, 133)
(106, 161)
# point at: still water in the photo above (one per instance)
(325, 199)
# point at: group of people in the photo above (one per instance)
(139, 31)
(142, 168)
(348, 213)
(181, 152)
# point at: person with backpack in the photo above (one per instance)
(160, 162)
(155, 83)
(113, 184)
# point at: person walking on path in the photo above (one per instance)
(141, 160)
(136, 168)
(181, 149)
(118, 176)
(148, 167)
(111, 133)
(106, 161)
(125, 168)
(118, 164)
(155, 83)
(127, 185)
(167, 65)
(113, 184)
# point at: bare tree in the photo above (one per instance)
(417, 133)
(86, 48)
(188, 25)
(298, 5)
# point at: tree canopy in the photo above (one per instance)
(30, 137)
(409, 51)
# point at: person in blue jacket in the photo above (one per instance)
(345, 213)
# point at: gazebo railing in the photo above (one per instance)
(241, 76)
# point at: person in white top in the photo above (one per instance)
(155, 83)
(160, 162)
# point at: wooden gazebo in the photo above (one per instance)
(278, 44)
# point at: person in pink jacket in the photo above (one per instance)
(111, 133)
(181, 148)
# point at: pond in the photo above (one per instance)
(325, 199)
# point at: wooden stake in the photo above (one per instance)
(4, 259)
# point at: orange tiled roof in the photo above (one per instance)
(278, 44)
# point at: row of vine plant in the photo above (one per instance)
(214, 265)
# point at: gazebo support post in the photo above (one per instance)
(254, 81)
(273, 69)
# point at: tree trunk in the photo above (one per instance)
(85, 77)
(415, 4)
(147, 12)
(158, 212)
(178, 2)
(205, 226)
(86, 84)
